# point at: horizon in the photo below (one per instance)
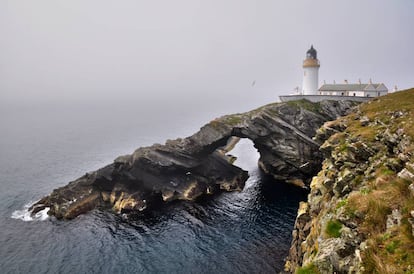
(193, 53)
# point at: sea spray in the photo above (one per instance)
(25, 215)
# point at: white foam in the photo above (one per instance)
(25, 215)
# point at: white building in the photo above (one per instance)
(310, 91)
(310, 73)
(359, 90)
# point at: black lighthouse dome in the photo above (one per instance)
(311, 53)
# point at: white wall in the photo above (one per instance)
(310, 81)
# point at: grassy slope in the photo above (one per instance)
(382, 109)
(375, 197)
(389, 252)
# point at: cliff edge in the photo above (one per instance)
(359, 217)
(184, 169)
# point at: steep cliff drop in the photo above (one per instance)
(359, 217)
(184, 169)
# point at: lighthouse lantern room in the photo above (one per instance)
(310, 73)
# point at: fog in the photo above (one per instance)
(191, 56)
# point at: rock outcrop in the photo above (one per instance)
(185, 169)
(359, 217)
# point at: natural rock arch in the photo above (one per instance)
(186, 168)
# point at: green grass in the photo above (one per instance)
(308, 269)
(387, 171)
(389, 251)
(333, 228)
(233, 120)
(343, 147)
(365, 191)
(341, 203)
(391, 247)
(381, 108)
(305, 104)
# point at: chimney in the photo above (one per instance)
(359, 80)
(334, 82)
(370, 80)
(346, 81)
(395, 88)
(324, 82)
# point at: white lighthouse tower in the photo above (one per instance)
(310, 73)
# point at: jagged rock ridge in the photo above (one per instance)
(184, 169)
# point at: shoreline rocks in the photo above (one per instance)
(185, 169)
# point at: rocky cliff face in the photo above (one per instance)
(359, 217)
(185, 169)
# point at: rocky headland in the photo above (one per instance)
(185, 169)
(359, 217)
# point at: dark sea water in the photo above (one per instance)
(240, 232)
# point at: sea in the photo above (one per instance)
(43, 148)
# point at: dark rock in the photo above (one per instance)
(185, 169)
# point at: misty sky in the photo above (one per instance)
(196, 51)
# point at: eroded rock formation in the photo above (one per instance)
(185, 169)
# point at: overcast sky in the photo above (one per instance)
(196, 51)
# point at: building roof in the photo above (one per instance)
(348, 87)
(312, 53)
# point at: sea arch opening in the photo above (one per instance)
(243, 154)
